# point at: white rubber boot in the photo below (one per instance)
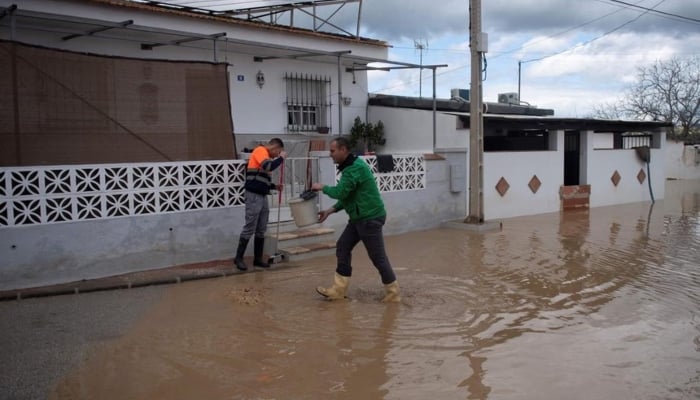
(337, 291)
(392, 293)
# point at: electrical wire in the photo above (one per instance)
(548, 37)
(595, 38)
(560, 33)
(652, 10)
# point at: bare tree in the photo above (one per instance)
(665, 91)
(610, 111)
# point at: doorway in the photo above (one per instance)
(572, 155)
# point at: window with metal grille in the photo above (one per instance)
(636, 140)
(308, 103)
(632, 140)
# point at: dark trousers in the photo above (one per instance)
(370, 233)
(257, 213)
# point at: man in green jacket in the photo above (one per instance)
(357, 193)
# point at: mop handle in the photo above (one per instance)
(279, 190)
(279, 205)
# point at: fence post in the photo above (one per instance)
(326, 174)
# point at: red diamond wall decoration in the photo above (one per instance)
(641, 176)
(534, 184)
(615, 178)
(502, 186)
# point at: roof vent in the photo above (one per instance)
(459, 94)
(509, 98)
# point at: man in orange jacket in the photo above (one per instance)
(264, 159)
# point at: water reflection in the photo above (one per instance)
(601, 303)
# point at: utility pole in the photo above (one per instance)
(476, 118)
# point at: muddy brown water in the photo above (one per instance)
(598, 304)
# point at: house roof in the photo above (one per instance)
(510, 116)
(426, 103)
(190, 13)
(496, 121)
(69, 27)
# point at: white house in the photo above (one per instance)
(122, 121)
(534, 162)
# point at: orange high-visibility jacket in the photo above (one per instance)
(260, 165)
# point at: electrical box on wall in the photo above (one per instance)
(483, 45)
(458, 178)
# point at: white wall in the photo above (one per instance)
(411, 131)
(603, 141)
(602, 165)
(263, 110)
(518, 168)
(682, 162)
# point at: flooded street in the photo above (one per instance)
(595, 304)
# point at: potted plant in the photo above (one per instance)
(365, 136)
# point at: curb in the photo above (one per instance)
(162, 276)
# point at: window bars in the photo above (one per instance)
(636, 140)
(308, 103)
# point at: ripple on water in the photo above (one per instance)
(594, 302)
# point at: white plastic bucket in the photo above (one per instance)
(304, 212)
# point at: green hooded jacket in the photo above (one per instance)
(356, 192)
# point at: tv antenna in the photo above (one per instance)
(420, 45)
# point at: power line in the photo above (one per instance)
(535, 42)
(652, 10)
(530, 44)
(559, 33)
(595, 38)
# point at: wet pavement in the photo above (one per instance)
(595, 304)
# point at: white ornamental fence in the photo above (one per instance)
(59, 194)
(54, 194)
(408, 173)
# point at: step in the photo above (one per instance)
(301, 237)
(284, 226)
(298, 253)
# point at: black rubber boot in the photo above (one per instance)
(258, 260)
(240, 264)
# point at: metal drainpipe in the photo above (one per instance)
(367, 109)
(340, 98)
(434, 114)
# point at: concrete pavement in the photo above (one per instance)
(176, 274)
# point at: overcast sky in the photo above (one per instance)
(594, 66)
(601, 44)
(575, 53)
